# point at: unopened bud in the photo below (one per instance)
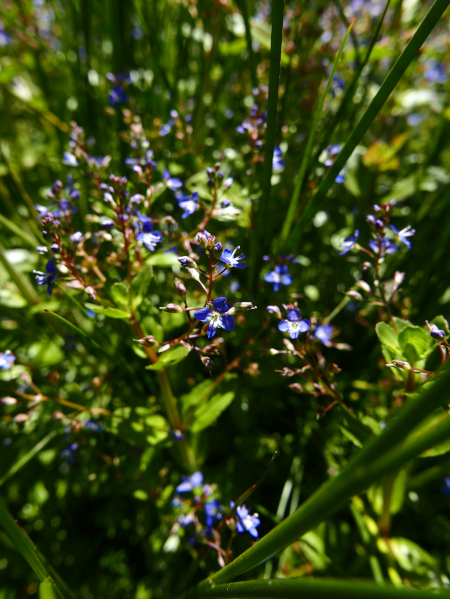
(58, 415)
(400, 364)
(21, 418)
(274, 310)
(8, 401)
(365, 286)
(147, 341)
(186, 261)
(244, 306)
(194, 273)
(206, 360)
(211, 349)
(180, 288)
(171, 308)
(354, 294)
(296, 387)
(320, 412)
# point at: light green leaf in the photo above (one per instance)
(111, 312)
(416, 344)
(388, 337)
(194, 396)
(165, 259)
(208, 412)
(119, 294)
(172, 356)
(140, 285)
(139, 425)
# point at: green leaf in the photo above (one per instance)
(139, 425)
(47, 589)
(208, 412)
(416, 344)
(111, 312)
(172, 356)
(120, 294)
(165, 259)
(410, 556)
(388, 337)
(192, 398)
(140, 285)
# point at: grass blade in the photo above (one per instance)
(387, 87)
(309, 589)
(288, 221)
(27, 457)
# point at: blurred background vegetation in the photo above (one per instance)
(103, 522)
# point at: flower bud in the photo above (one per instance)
(296, 387)
(186, 261)
(21, 418)
(58, 416)
(206, 360)
(363, 285)
(227, 183)
(8, 401)
(354, 294)
(400, 364)
(244, 306)
(172, 308)
(180, 288)
(194, 273)
(147, 341)
(274, 310)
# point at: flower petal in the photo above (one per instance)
(204, 314)
(220, 305)
(227, 322)
(303, 326)
(284, 326)
(294, 315)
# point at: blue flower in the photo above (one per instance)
(349, 242)
(190, 482)
(228, 258)
(117, 96)
(436, 74)
(47, 278)
(177, 435)
(170, 181)
(149, 237)
(277, 161)
(383, 246)
(404, 234)
(189, 205)
(94, 425)
(246, 522)
(341, 176)
(436, 333)
(279, 276)
(323, 333)
(70, 159)
(445, 489)
(76, 237)
(216, 316)
(212, 511)
(7, 359)
(69, 453)
(294, 325)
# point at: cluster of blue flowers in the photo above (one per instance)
(204, 502)
(380, 244)
(7, 360)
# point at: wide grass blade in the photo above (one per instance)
(308, 589)
(387, 87)
(379, 456)
(288, 221)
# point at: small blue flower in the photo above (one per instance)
(170, 181)
(228, 258)
(349, 242)
(279, 276)
(94, 425)
(189, 205)
(216, 316)
(436, 333)
(246, 522)
(404, 234)
(147, 236)
(190, 482)
(70, 159)
(277, 162)
(436, 74)
(76, 237)
(117, 96)
(294, 325)
(48, 278)
(323, 333)
(227, 183)
(445, 489)
(341, 176)
(7, 360)
(69, 453)
(177, 435)
(383, 246)
(212, 511)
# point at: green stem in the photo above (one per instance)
(242, 4)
